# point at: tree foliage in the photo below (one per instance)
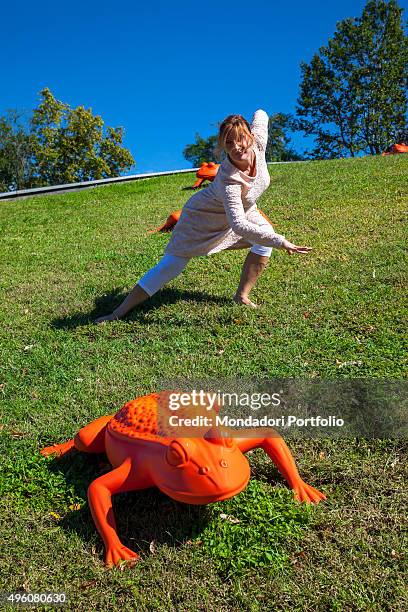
(202, 150)
(70, 144)
(61, 145)
(16, 169)
(279, 143)
(353, 94)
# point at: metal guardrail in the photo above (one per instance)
(50, 189)
(24, 193)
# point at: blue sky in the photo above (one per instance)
(164, 70)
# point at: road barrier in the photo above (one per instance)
(51, 189)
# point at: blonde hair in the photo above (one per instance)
(237, 127)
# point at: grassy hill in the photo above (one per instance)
(336, 313)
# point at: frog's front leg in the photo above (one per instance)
(100, 491)
(280, 454)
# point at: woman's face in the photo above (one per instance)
(239, 150)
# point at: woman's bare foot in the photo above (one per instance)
(106, 318)
(245, 301)
(135, 297)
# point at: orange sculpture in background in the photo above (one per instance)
(206, 172)
(395, 149)
(169, 224)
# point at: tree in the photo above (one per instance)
(278, 147)
(70, 145)
(59, 145)
(204, 150)
(16, 145)
(353, 94)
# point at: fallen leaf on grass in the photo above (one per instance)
(125, 564)
(297, 557)
(75, 507)
(88, 585)
(14, 433)
(229, 518)
(397, 555)
(368, 328)
(153, 547)
(347, 363)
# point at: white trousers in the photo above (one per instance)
(171, 266)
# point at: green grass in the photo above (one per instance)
(68, 258)
(251, 529)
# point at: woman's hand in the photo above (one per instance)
(292, 248)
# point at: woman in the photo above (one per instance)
(222, 216)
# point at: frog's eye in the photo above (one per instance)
(176, 455)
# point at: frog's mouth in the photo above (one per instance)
(188, 497)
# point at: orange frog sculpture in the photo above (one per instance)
(206, 172)
(396, 149)
(145, 452)
(169, 224)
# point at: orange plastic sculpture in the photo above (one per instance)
(170, 223)
(395, 149)
(145, 452)
(206, 172)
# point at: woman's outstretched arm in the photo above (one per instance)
(256, 234)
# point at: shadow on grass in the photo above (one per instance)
(109, 301)
(191, 188)
(142, 517)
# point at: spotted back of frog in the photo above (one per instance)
(145, 418)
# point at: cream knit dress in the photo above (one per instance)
(224, 215)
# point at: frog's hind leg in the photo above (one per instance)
(57, 449)
(89, 439)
